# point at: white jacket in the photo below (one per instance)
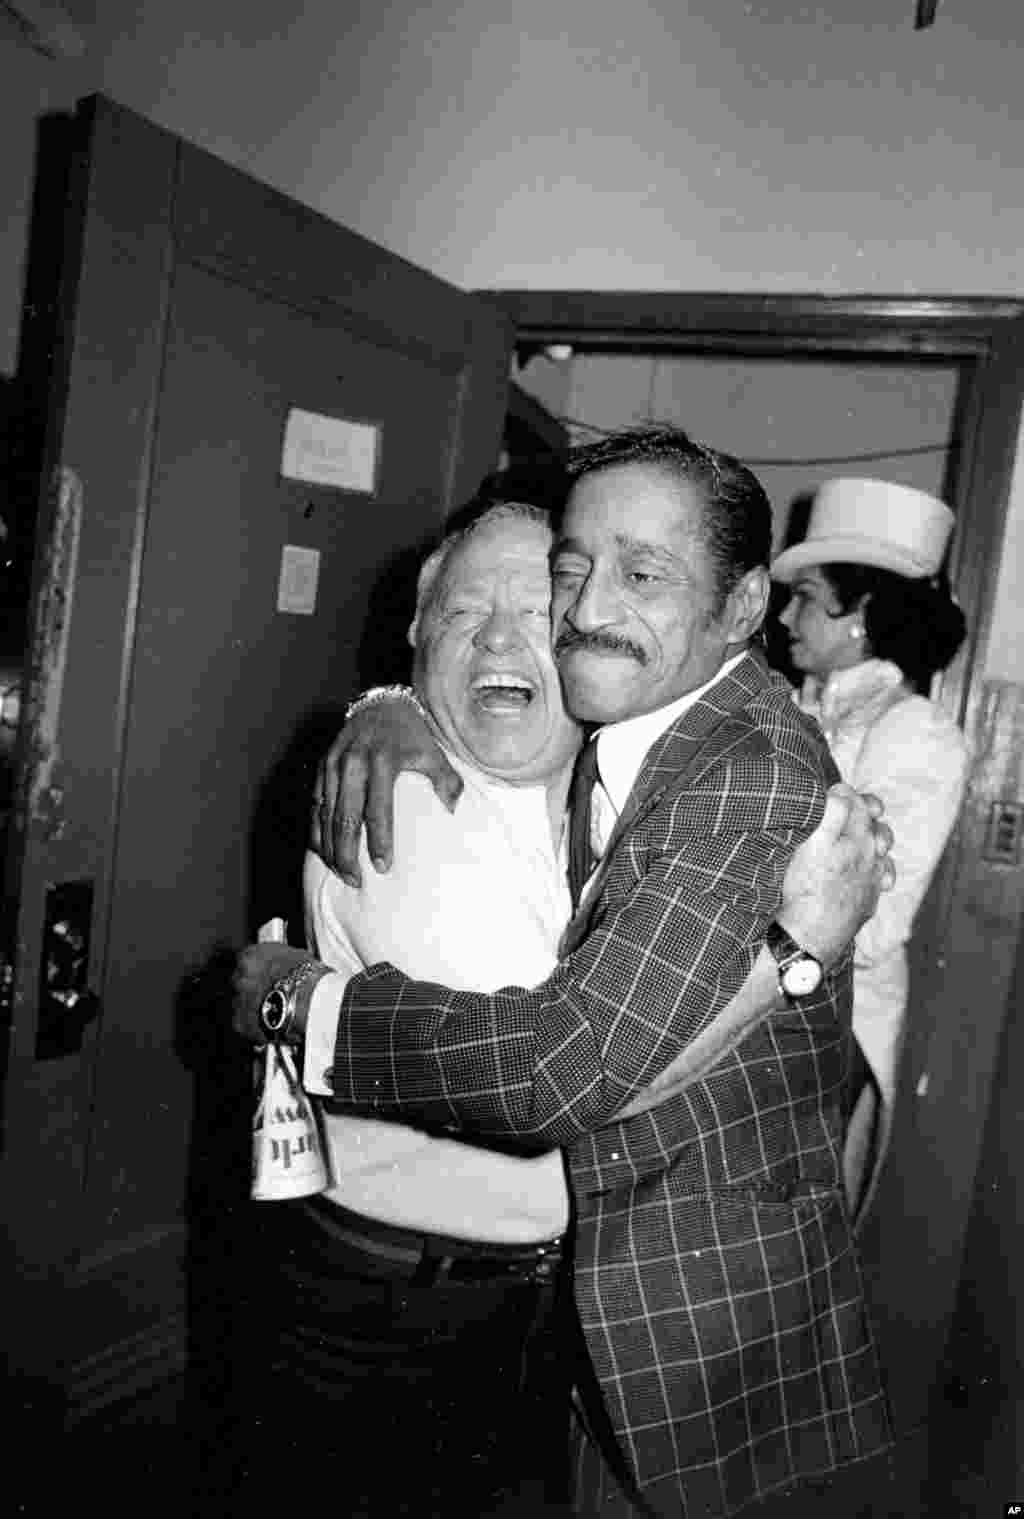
(888, 740)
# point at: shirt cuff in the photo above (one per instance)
(322, 1032)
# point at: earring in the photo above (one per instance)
(857, 631)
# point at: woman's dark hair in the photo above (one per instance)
(914, 623)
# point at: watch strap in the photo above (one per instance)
(782, 944)
(790, 956)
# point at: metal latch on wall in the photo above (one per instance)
(1003, 833)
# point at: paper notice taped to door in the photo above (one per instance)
(330, 451)
(296, 586)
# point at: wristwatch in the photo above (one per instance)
(279, 1006)
(800, 973)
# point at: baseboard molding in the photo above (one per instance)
(142, 1364)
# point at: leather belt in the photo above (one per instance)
(425, 1260)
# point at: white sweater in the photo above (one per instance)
(476, 899)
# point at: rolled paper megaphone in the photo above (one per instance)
(287, 1153)
(287, 1150)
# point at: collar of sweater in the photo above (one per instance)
(854, 696)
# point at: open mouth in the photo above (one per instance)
(503, 693)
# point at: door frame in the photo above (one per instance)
(966, 934)
(986, 330)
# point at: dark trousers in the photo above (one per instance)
(384, 1393)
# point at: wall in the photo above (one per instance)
(773, 413)
(1005, 658)
(680, 144)
(703, 144)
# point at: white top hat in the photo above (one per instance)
(893, 527)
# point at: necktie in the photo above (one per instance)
(581, 855)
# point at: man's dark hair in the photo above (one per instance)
(737, 513)
(914, 623)
(541, 483)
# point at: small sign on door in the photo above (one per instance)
(296, 586)
(323, 450)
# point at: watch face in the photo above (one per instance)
(273, 1010)
(802, 977)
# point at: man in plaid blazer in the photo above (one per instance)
(715, 1275)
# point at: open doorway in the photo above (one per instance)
(795, 421)
(932, 389)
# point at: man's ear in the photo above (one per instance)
(429, 571)
(748, 603)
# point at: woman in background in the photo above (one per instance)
(870, 620)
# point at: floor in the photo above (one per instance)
(140, 1461)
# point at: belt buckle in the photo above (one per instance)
(545, 1262)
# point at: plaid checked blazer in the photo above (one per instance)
(715, 1274)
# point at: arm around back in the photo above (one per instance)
(356, 780)
(676, 932)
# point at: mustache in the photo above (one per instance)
(611, 643)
